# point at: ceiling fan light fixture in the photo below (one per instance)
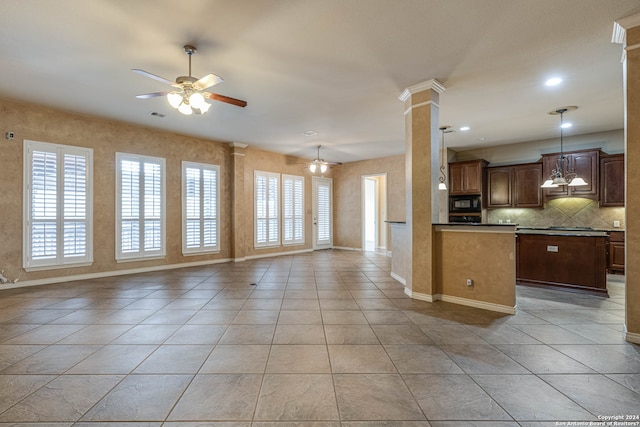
(312, 167)
(204, 107)
(185, 109)
(323, 167)
(175, 99)
(196, 100)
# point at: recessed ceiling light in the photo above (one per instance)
(464, 128)
(310, 133)
(566, 125)
(554, 81)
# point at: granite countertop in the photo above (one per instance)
(476, 224)
(565, 231)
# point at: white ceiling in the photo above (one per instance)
(333, 66)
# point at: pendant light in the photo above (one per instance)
(443, 176)
(562, 174)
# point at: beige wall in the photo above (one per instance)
(632, 159)
(347, 197)
(488, 258)
(611, 142)
(266, 161)
(106, 138)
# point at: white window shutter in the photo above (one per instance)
(200, 207)
(58, 205)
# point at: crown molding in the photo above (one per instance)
(238, 145)
(420, 87)
(629, 21)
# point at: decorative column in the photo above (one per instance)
(239, 224)
(422, 204)
(627, 32)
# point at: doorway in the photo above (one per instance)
(322, 213)
(374, 212)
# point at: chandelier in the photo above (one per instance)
(563, 174)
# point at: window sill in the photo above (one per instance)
(57, 266)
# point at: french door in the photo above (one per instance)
(322, 213)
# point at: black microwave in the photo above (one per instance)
(464, 204)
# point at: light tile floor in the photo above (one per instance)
(324, 340)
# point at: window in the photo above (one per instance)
(140, 207)
(199, 208)
(58, 205)
(292, 210)
(267, 202)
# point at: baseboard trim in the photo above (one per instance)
(631, 336)
(462, 301)
(103, 274)
(420, 296)
(479, 304)
(346, 248)
(399, 279)
(274, 254)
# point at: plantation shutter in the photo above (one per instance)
(292, 209)
(141, 206)
(58, 218)
(200, 207)
(267, 220)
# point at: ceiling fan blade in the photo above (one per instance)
(228, 100)
(151, 95)
(207, 81)
(154, 77)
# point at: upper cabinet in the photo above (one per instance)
(466, 177)
(516, 186)
(584, 163)
(612, 180)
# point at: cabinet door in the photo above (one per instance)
(472, 174)
(586, 166)
(549, 164)
(612, 180)
(616, 256)
(499, 187)
(456, 178)
(527, 180)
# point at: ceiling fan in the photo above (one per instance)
(319, 163)
(189, 94)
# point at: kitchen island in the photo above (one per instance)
(571, 258)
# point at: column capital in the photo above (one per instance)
(238, 145)
(432, 84)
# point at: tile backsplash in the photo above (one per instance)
(566, 212)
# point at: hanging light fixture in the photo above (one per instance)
(189, 99)
(318, 163)
(442, 185)
(563, 175)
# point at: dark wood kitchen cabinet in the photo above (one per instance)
(585, 163)
(569, 261)
(612, 180)
(516, 186)
(466, 177)
(616, 252)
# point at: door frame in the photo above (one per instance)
(315, 180)
(381, 211)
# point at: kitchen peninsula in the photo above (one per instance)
(474, 264)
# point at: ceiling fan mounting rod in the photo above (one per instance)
(190, 50)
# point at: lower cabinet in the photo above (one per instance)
(516, 186)
(568, 261)
(616, 252)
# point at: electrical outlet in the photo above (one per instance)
(469, 282)
(616, 224)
